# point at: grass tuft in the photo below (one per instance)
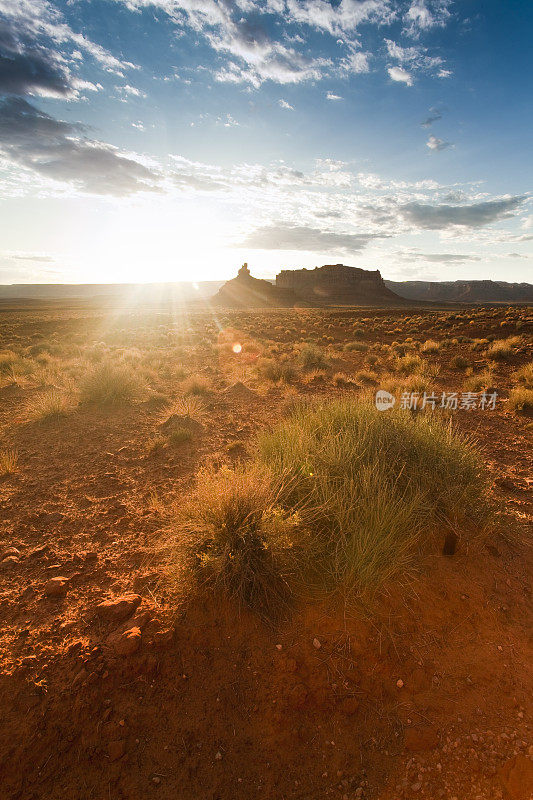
(111, 384)
(8, 461)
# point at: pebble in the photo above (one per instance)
(117, 609)
(56, 587)
(316, 644)
(399, 683)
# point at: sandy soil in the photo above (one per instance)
(427, 696)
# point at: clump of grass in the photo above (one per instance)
(49, 405)
(502, 349)
(8, 461)
(521, 400)
(479, 382)
(270, 369)
(111, 384)
(459, 362)
(312, 357)
(242, 541)
(358, 347)
(196, 385)
(341, 379)
(409, 364)
(430, 346)
(375, 487)
(365, 376)
(7, 360)
(524, 375)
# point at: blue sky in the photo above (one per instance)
(170, 140)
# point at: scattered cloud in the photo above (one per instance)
(61, 151)
(475, 215)
(302, 237)
(331, 96)
(435, 114)
(436, 145)
(40, 53)
(401, 75)
(285, 105)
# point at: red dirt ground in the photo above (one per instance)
(426, 696)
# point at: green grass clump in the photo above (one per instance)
(339, 498)
(269, 369)
(312, 357)
(110, 384)
(374, 486)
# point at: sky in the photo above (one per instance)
(158, 140)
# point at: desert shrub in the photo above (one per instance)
(359, 347)
(241, 540)
(524, 375)
(196, 385)
(365, 376)
(502, 349)
(430, 346)
(8, 461)
(521, 399)
(270, 369)
(341, 379)
(459, 362)
(111, 383)
(8, 359)
(49, 405)
(372, 487)
(409, 364)
(479, 382)
(312, 357)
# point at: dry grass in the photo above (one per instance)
(521, 400)
(49, 405)
(8, 461)
(111, 383)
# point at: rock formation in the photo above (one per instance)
(337, 284)
(332, 284)
(244, 291)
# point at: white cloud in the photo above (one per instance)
(331, 96)
(285, 105)
(401, 75)
(436, 145)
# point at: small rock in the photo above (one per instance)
(56, 587)
(399, 683)
(316, 644)
(415, 787)
(11, 551)
(279, 647)
(117, 609)
(163, 638)
(39, 552)
(127, 643)
(9, 562)
(218, 756)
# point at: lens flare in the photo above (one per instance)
(237, 347)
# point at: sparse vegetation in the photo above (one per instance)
(110, 384)
(8, 461)
(521, 400)
(49, 405)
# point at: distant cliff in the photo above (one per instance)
(338, 284)
(464, 291)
